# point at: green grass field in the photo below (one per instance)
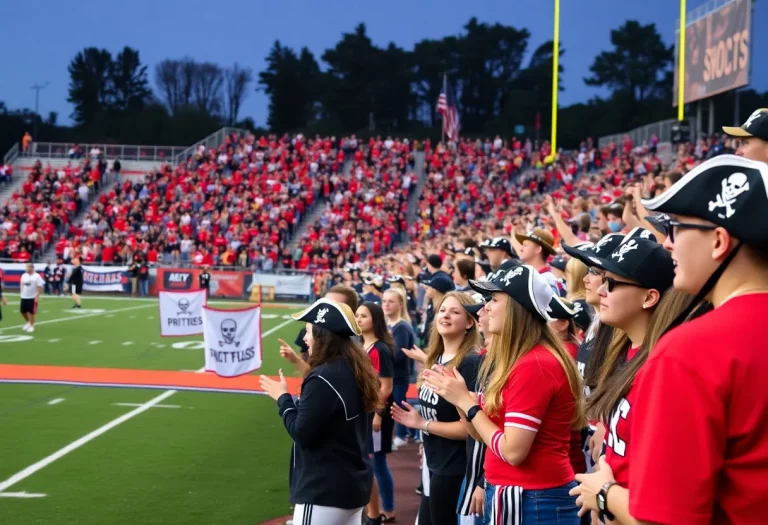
(192, 458)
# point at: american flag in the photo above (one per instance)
(446, 106)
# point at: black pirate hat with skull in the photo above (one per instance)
(330, 315)
(605, 245)
(728, 191)
(524, 284)
(643, 261)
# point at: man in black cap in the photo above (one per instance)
(702, 405)
(499, 250)
(752, 135)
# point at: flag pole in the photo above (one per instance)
(445, 90)
(555, 74)
(681, 65)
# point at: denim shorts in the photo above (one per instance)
(542, 507)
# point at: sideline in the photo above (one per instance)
(74, 317)
(155, 300)
(23, 474)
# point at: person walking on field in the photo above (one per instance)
(76, 282)
(31, 286)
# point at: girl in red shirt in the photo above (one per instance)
(529, 405)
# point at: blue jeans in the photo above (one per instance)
(542, 507)
(384, 480)
(399, 393)
(144, 287)
(478, 520)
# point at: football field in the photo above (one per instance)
(84, 455)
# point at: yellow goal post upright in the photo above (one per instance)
(555, 78)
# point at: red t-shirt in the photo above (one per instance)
(702, 405)
(538, 398)
(619, 433)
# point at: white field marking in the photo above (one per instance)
(132, 317)
(21, 495)
(94, 342)
(54, 340)
(35, 467)
(110, 315)
(76, 317)
(150, 317)
(139, 404)
(127, 343)
(298, 306)
(56, 401)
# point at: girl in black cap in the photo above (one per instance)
(530, 402)
(379, 345)
(454, 344)
(331, 478)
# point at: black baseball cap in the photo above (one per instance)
(558, 262)
(660, 222)
(500, 243)
(524, 284)
(583, 318)
(755, 126)
(441, 282)
(728, 190)
(479, 303)
(641, 260)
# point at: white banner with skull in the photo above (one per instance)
(232, 340)
(181, 313)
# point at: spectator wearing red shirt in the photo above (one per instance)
(529, 406)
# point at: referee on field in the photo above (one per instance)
(76, 282)
(31, 286)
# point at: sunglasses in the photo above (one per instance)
(674, 226)
(611, 283)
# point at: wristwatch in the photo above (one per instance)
(472, 412)
(602, 501)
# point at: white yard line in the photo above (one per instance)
(76, 317)
(139, 404)
(21, 495)
(24, 474)
(56, 401)
(154, 300)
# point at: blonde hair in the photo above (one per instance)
(471, 342)
(399, 291)
(523, 331)
(575, 271)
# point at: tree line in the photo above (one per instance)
(359, 87)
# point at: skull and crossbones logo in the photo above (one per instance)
(512, 274)
(602, 242)
(736, 184)
(624, 249)
(320, 319)
(228, 332)
(184, 307)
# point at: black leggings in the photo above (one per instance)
(440, 507)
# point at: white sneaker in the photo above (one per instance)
(399, 442)
(26, 327)
(31, 329)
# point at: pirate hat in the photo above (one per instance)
(660, 222)
(541, 237)
(474, 309)
(583, 317)
(374, 280)
(606, 245)
(524, 284)
(394, 279)
(755, 126)
(330, 315)
(499, 243)
(641, 260)
(561, 308)
(729, 191)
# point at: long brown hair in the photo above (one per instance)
(379, 323)
(523, 331)
(471, 342)
(617, 376)
(329, 345)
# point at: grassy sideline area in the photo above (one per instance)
(190, 457)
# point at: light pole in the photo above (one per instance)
(37, 88)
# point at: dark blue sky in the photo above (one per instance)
(38, 39)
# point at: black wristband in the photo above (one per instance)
(472, 412)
